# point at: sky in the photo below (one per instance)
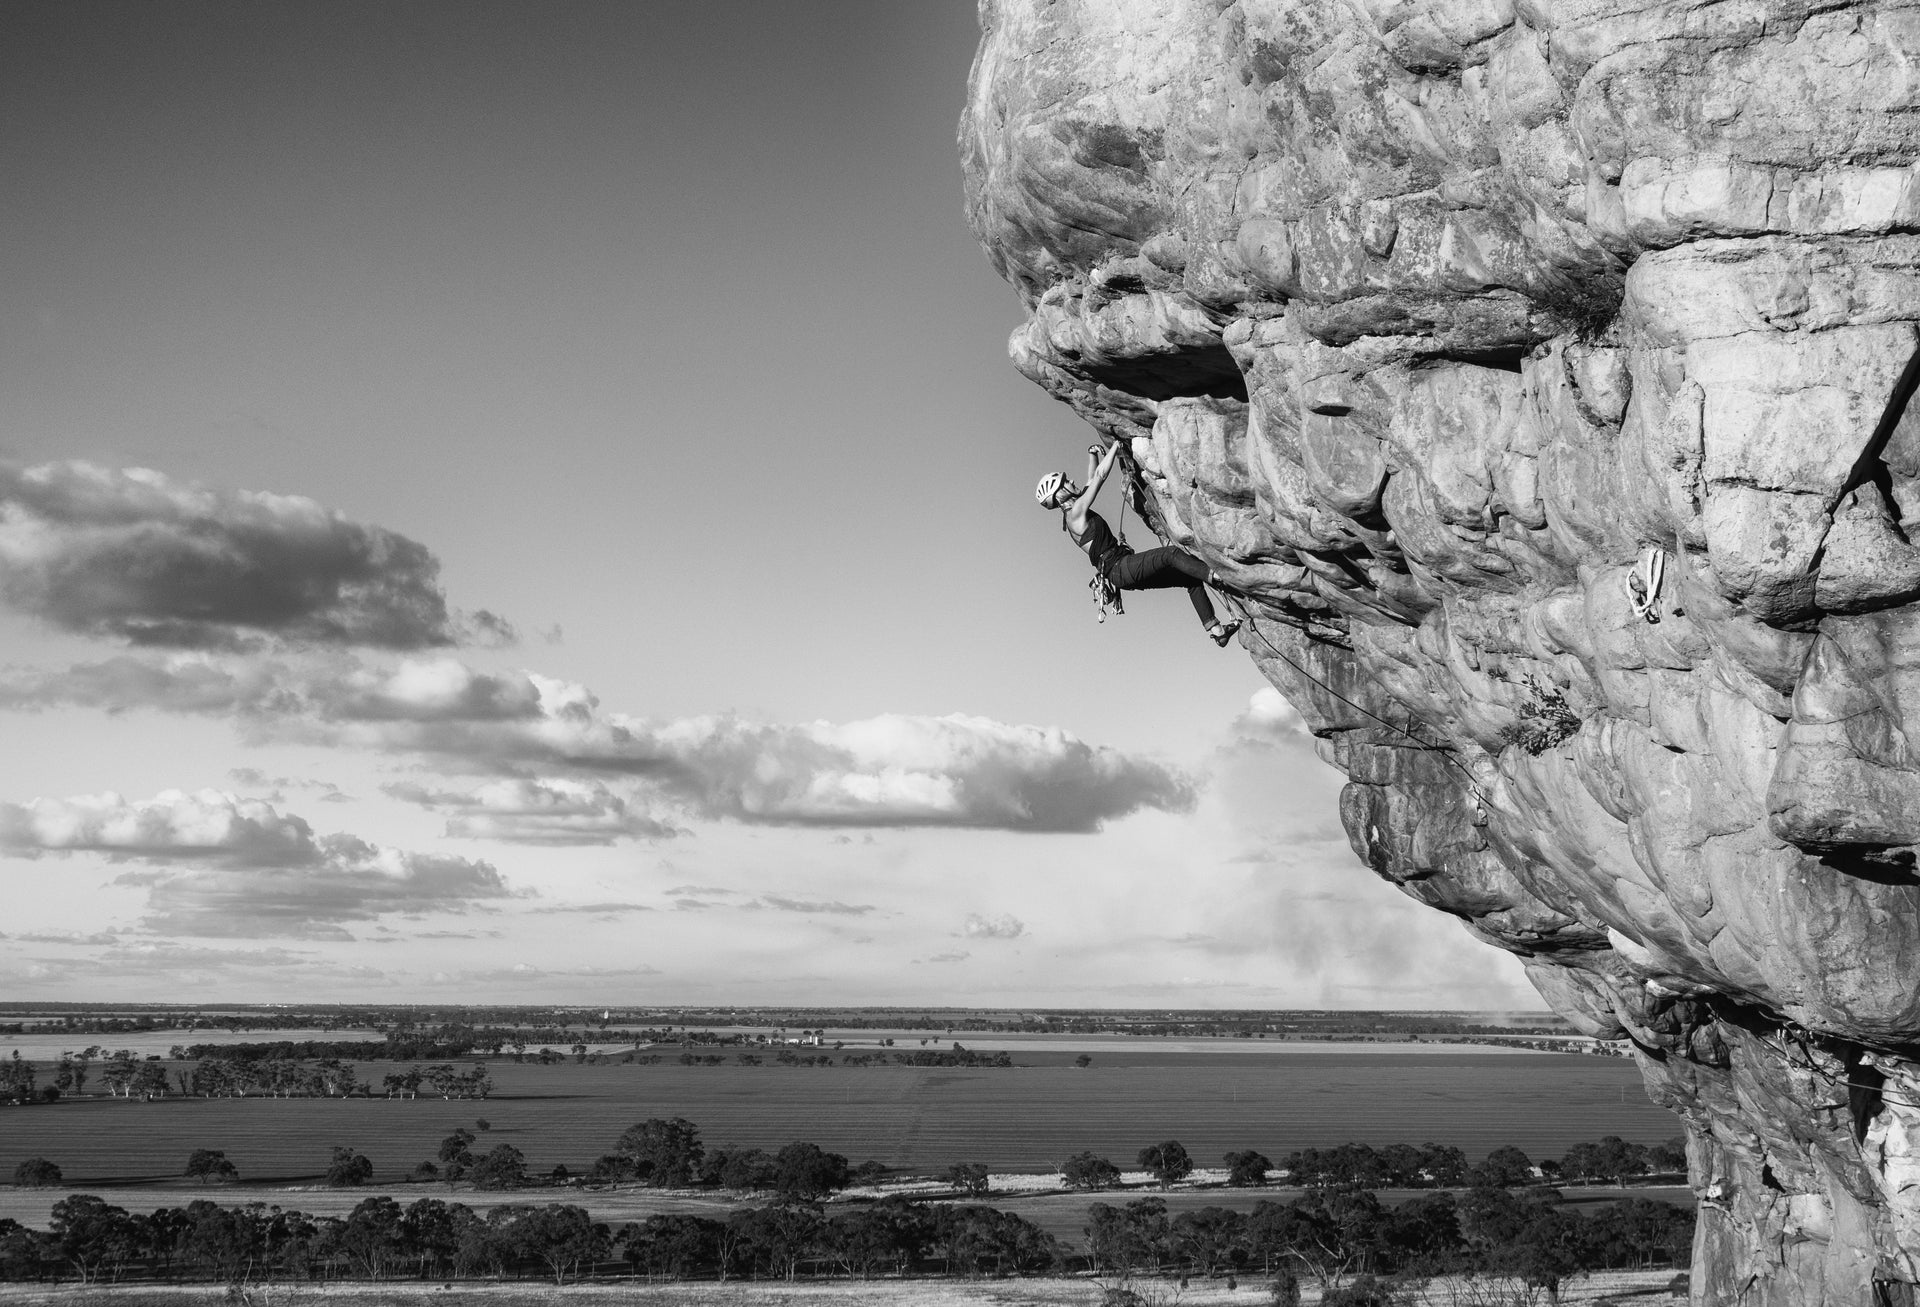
(527, 503)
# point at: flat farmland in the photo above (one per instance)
(1025, 1118)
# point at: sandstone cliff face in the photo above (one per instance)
(1539, 374)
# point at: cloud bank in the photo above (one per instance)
(130, 554)
(893, 770)
(231, 867)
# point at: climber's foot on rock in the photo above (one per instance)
(1223, 632)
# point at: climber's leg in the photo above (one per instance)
(1166, 568)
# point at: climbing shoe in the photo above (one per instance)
(1223, 632)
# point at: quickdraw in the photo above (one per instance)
(1107, 595)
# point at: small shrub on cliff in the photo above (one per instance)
(1545, 719)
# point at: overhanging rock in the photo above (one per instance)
(1428, 324)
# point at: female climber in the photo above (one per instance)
(1156, 569)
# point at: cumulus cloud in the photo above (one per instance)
(227, 866)
(891, 770)
(1003, 926)
(1269, 718)
(549, 812)
(172, 826)
(129, 553)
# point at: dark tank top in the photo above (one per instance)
(1100, 543)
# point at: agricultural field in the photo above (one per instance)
(1024, 1118)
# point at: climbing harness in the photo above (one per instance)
(1645, 581)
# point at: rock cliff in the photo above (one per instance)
(1539, 375)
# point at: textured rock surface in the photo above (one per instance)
(1425, 322)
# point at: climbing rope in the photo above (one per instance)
(1134, 485)
(1645, 581)
(1807, 1064)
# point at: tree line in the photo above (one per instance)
(1327, 1236)
(1611, 1160)
(94, 1241)
(671, 1153)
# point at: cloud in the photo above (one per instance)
(945, 957)
(594, 909)
(131, 554)
(173, 825)
(257, 871)
(775, 903)
(768, 903)
(1003, 926)
(549, 812)
(525, 971)
(894, 770)
(94, 939)
(1269, 718)
(255, 779)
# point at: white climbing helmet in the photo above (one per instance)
(1050, 485)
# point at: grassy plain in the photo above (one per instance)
(1025, 1118)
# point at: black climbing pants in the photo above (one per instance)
(1165, 568)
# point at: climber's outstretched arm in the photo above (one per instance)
(1097, 470)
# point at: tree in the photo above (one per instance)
(1247, 1169)
(1209, 1239)
(561, 1236)
(456, 1157)
(970, 1178)
(211, 1164)
(1549, 1250)
(1084, 1060)
(73, 1070)
(1168, 1162)
(663, 1152)
(371, 1235)
(36, 1173)
(1670, 1156)
(16, 1079)
(739, 1168)
(92, 1235)
(778, 1238)
(1505, 1168)
(673, 1245)
(504, 1167)
(119, 1073)
(348, 1168)
(1123, 1240)
(432, 1230)
(1089, 1170)
(806, 1173)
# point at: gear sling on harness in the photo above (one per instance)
(1105, 593)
